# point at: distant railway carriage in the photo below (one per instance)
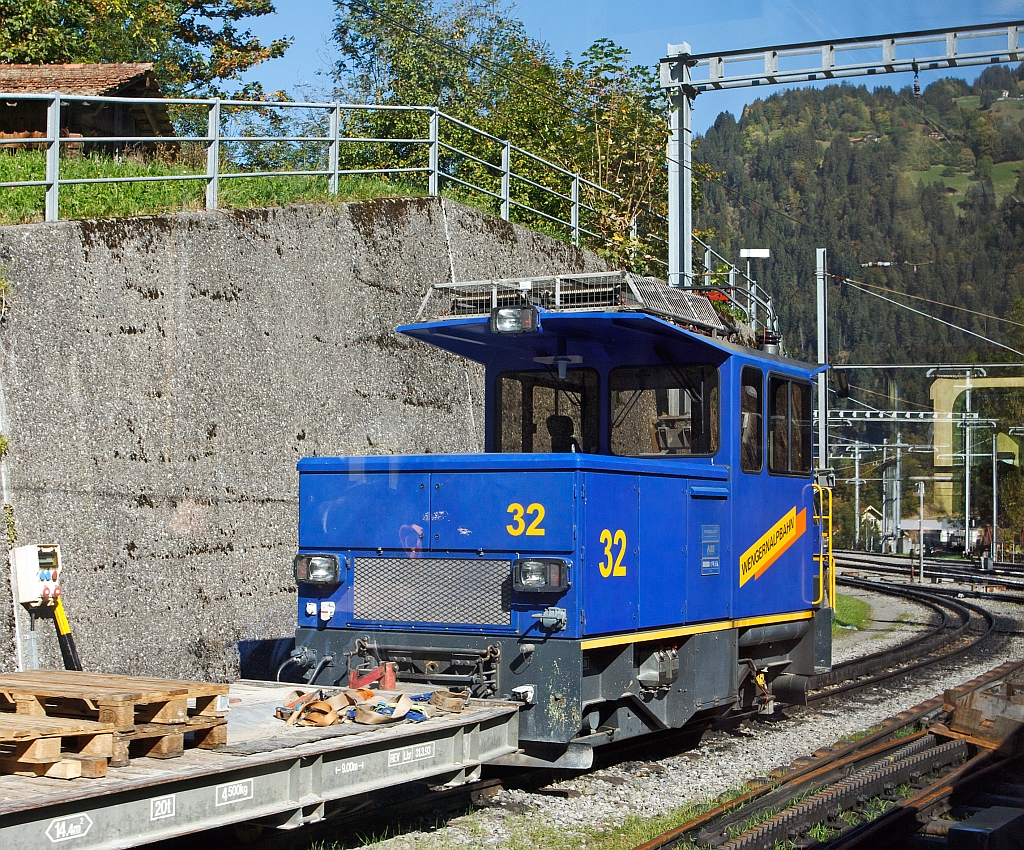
(639, 544)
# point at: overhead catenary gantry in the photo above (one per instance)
(684, 75)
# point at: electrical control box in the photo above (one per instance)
(37, 571)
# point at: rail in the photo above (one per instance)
(225, 140)
(799, 804)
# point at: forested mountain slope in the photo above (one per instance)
(930, 184)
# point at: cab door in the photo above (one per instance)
(611, 548)
(663, 516)
(709, 576)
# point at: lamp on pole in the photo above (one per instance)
(749, 254)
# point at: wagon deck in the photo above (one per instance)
(266, 771)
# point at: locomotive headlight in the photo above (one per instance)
(317, 569)
(513, 320)
(540, 575)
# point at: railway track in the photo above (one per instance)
(951, 636)
(914, 774)
(936, 570)
(900, 783)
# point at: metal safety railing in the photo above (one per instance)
(447, 152)
(607, 291)
(239, 139)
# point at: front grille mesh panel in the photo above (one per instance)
(433, 590)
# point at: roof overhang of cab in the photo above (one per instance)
(615, 332)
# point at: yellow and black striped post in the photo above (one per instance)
(67, 642)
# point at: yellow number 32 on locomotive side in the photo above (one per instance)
(518, 526)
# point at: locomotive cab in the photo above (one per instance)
(638, 544)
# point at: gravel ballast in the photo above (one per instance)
(602, 800)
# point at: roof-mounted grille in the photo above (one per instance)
(623, 291)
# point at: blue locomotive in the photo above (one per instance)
(641, 542)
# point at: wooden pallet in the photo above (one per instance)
(165, 741)
(56, 747)
(123, 701)
(149, 717)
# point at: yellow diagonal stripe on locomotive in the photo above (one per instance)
(772, 544)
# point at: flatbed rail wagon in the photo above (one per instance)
(265, 772)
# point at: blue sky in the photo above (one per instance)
(647, 26)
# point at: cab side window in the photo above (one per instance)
(751, 418)
(664, 411)
(789, 426)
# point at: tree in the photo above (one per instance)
(601, 117)
(196, 45)
(965, 160)
(983, 169)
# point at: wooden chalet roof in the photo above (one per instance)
(109, 79)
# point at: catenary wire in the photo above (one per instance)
(854, 285)
(940, 303)
(883, 395)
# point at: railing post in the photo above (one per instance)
(333, 149)
(52, 211)
(506, 179)
(212, 153)
(574, 215)
(435, 151)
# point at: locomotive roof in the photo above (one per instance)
(614, 331)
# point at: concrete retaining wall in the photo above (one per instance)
(161, 377)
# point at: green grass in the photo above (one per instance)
(1001, 107)
(1004, 178)
(958, 181)
(527, 832)
(971, 101)
(18, 206)
(850, 611)
(113, 200)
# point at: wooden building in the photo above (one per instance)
(27, 118)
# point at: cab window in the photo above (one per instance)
(664, 411)
(751, 419)
(536, 411)
(789, 426)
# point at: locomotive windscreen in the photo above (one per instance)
(664, 410)
(540, 412)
